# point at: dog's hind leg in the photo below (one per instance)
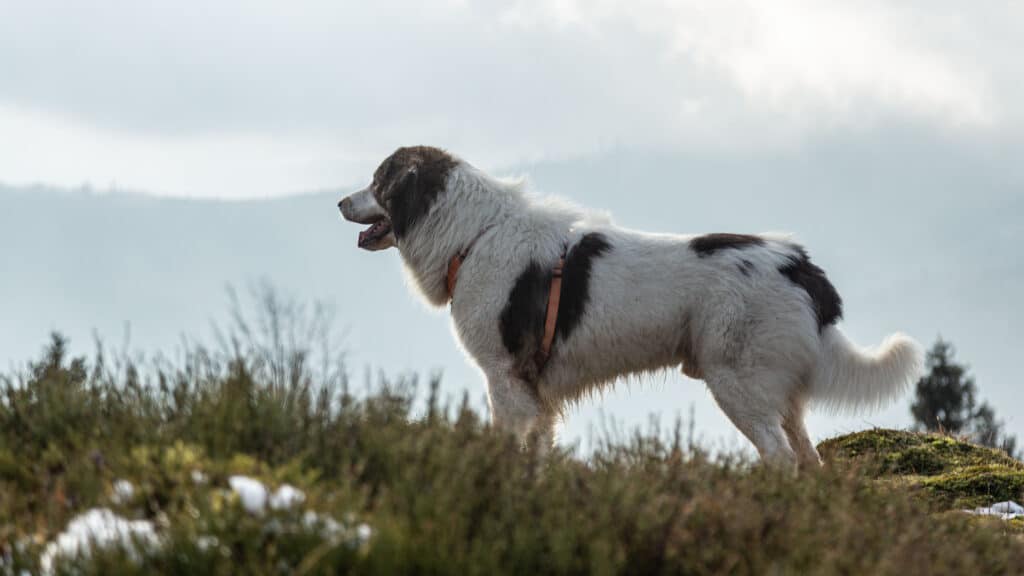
(793, 424)
(748, 402)
(515, 408)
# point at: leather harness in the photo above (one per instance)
(554, 297)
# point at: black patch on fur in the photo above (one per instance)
(745, 266)
(522, 320)
(828, 306)
(708, 244)
(409, 181)
(576, 281)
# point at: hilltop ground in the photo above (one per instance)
(251, 461)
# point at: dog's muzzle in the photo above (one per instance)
(362, 208)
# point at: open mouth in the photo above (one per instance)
(372, 235)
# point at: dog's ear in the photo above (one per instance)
(400, 184)
(405, 202)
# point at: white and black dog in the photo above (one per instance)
(749, 315)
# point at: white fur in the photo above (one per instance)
(854, 378)
(754, 338)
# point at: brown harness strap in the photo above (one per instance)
(456, 262)
(453, 271)
(554, 297)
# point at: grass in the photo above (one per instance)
(442, 493)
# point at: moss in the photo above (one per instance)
(868, 442)
(976, 485)
(897, 452)
(944, 472)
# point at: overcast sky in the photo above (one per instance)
(248, 99)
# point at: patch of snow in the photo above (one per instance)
(255, 497)
(205, 543)
(251, 492)
(286, 497)
(328, 526)
(363, 533)
(332, 529)
(1004, 510)
(99, 527)
(123, 492)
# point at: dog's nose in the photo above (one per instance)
(345, 205)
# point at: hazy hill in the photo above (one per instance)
(917, 235)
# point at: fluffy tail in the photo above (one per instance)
(850, 378)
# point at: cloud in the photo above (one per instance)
(837, 58)
(243, 98)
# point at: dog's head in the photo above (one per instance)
(404, 188)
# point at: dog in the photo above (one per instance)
(554, 302)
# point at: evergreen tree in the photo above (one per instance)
(945, 395)
(945, 401)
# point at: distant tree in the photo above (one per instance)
(945, 395)
(989, 431)
(945, 401)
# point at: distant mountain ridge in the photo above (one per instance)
(922, 238)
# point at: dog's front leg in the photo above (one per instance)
(516, 409)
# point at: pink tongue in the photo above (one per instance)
(368, 234)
